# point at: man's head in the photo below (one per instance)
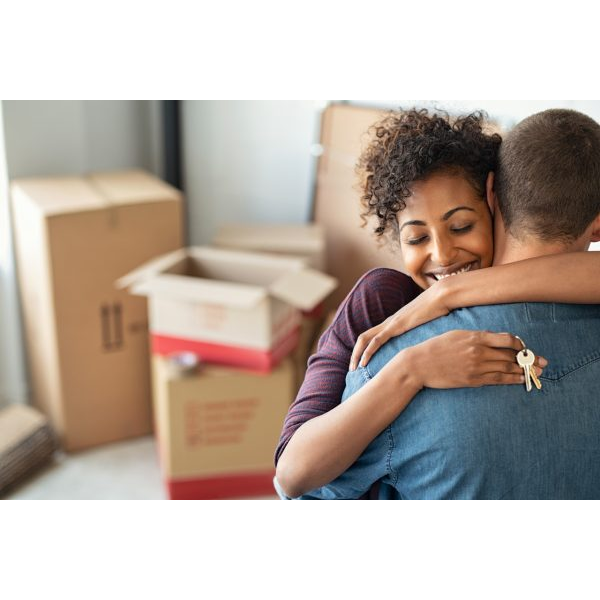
(547, 181)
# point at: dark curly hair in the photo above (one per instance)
(409, 146)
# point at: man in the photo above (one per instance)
(502, 441)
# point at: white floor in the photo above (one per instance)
(123, 471)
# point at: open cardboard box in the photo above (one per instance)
(233, 308)
(305, 241)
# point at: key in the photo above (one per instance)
(526, 358)
(534, 377)
(532, 374)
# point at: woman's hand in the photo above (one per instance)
(429, 305)
(466, 359)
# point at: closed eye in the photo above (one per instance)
(416, 241)
(463, 229)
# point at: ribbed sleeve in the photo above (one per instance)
(377, 295)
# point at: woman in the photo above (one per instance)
(426, 183)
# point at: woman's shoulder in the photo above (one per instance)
(383, 275)
(385, 282)
(378, 294)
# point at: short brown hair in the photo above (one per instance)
(548, 176)
(411, 145)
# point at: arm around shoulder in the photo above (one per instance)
(570, 278)
(326, 446)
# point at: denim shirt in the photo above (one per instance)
(495, 441)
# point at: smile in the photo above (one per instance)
(442, 274)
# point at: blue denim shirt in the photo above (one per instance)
(495, 441)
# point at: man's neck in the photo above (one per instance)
(513, 250)
(509, 249)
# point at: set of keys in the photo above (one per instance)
(525, 359)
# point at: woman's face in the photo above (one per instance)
(446, 228)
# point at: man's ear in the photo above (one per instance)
(490, 195)
(596, 230)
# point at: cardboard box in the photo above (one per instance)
(304, 241)
(351, 249)
(87, 342)
(26, 444)
(308, 331)
(322, 329)
(232, 308)
(217, 430)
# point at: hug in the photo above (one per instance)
(474, 375)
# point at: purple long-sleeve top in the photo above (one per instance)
(377, 295)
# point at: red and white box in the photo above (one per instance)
(240, 309)
(217, 429)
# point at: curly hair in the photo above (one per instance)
(409, 146)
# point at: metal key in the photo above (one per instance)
(534, 377)
(526, 358)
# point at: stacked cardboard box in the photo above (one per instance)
(87, 343)
(26, 443)
(241, 314)
(217, 428)
(306, 241)
(241, 309)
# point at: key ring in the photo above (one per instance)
(525, 350)
(522, 343)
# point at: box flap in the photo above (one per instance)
(284, 238)
(132, 186)
(303, 289)
(58, 195)
(62, 195)
(247, 258)
(150, 269)
(207, 291)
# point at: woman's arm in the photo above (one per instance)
(376, 296)
(324, 447)
(571, 278)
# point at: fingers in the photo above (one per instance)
(369, 342)
(390, 328)
(500, 340)
(508, 340)
(504, 378)
(506, 367)
(500, 366)
(503, 354)
(356, 354)
(498, 378)
(362, 342)
(498, 354)
(374, 345)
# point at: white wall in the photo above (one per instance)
(247, 161)
(74, 136)
(13, 385)
(506, 112)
